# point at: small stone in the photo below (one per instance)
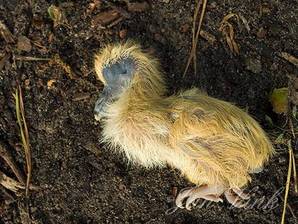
(40, 83)
(24, 44)
(281, 160)
(212, 5)
(261, 33)
(254, 65)
(33, 209)
(184, 28)
(50, 83)
(158, 37)
(123, 33)
(122, 187)
(265, 9)
(27, 83)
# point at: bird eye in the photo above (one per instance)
(122, 69)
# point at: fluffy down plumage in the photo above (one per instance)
(212, 142)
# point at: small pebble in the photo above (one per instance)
(138, 6)
(254, 65)
(123, 33)
(261, 33)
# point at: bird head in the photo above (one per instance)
(124, 68)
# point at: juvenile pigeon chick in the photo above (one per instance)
(213, 143)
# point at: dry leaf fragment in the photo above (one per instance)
(227, 30)
(5, 33)
(10, 183)
(279, 100)
(105, 18)
(138, 6)
(24, 44)
(56, 15)
(207, 36)
(93, 5)
(245, 22)
(290, 58)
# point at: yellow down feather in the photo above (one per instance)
(210, 141)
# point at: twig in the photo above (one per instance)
(294, 172)
(196, 37)
(290, 208)
(10, 183)
(6, 155)
(115, 22)
(82, 96)
(200, 25)
(207, 36)
(28, 58)
(40, 46)
(291, 126)
(20, 112)
(288, 182)
(14, 185)
(228, 31)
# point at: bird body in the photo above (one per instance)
(212, 142)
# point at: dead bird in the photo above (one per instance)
(213, 143)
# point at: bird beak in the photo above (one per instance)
(101, 104)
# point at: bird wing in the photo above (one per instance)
(223, 140)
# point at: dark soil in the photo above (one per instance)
(83, 181)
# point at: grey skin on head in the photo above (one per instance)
(117, 76)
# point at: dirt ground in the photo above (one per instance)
(83, 181)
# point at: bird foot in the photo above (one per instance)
(236, 197)
(210, 193)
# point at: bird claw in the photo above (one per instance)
(236, 197)
(191, 195)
